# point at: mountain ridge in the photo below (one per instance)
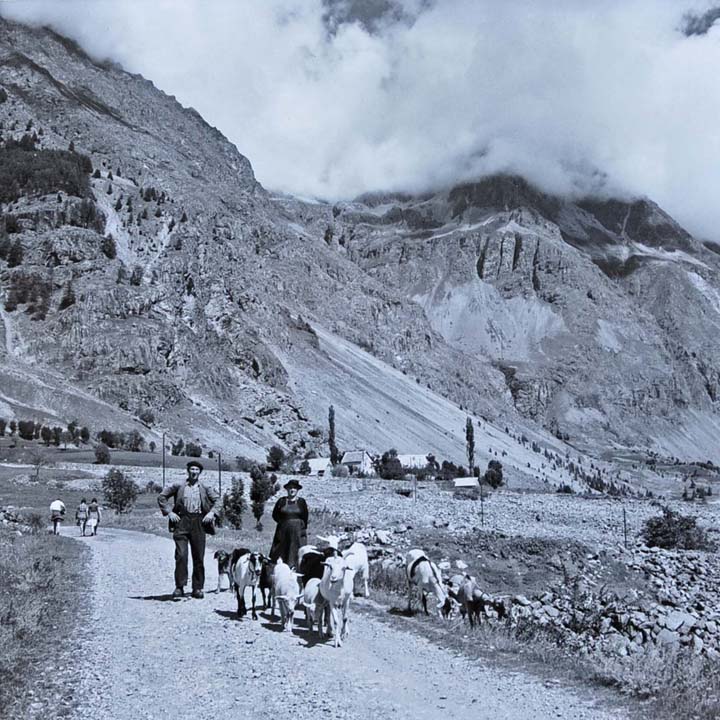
(218, 288)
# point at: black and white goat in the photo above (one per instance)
(424, 575)
(246, 573)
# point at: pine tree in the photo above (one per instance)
(15, 254)
(470, 443)
(334, 452)
(68, 298)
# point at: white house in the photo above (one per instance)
(464, 482)
(413, 461)
(319, 467)
(358, 461)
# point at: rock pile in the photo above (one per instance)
(682, 610)
(13, 518)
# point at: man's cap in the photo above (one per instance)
(195, 463)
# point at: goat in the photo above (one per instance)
(473, 601)
(357, 557)
(425, 575)
(310, 599)
(266, 584)
(335, 592)
(246, 573)
(310, 561)
(286, 592)
(223, 563)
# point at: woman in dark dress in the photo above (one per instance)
(291, 515)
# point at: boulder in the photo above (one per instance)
(668, 638)
(677, 619)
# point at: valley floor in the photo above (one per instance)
(149, 658)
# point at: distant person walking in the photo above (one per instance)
(57, 515)
(94, 516)
(81, 516)
(291, 515)
(190, 507)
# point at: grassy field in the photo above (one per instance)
(41, 614)
(21, 451)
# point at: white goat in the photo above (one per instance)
(310, 598)
(424, 574)
(336, 590)
(286, 592)
(357, 558)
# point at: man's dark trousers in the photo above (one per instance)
(190, 530)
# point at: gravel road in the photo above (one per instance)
(193, 659)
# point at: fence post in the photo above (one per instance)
(415, 488)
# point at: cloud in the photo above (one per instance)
(332, 98)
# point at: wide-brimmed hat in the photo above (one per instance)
(292, 484)
(195, 463)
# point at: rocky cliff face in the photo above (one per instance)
(601, 315)
(179, 285)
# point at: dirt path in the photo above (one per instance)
(192, 659)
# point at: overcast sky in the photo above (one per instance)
(332, 99)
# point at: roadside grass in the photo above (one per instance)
(41, 577)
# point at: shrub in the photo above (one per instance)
(120, 491)
(494, 474)
(234, 503)
(565, 489)
(673, 530)
(102, 454)
(147, 417)
(152, 487)
(34, 520)
(304, 468)
(275, 457)
(389, 466)
(340, 471)
(193, 449)
(108, 247)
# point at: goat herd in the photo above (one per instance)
(325, 583)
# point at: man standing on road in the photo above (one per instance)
(191, 515)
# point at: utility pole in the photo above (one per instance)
(163, 461)
(625, 526)
(220, 473)
(482, 505)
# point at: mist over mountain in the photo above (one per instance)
(175, 286)
(335, 98)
